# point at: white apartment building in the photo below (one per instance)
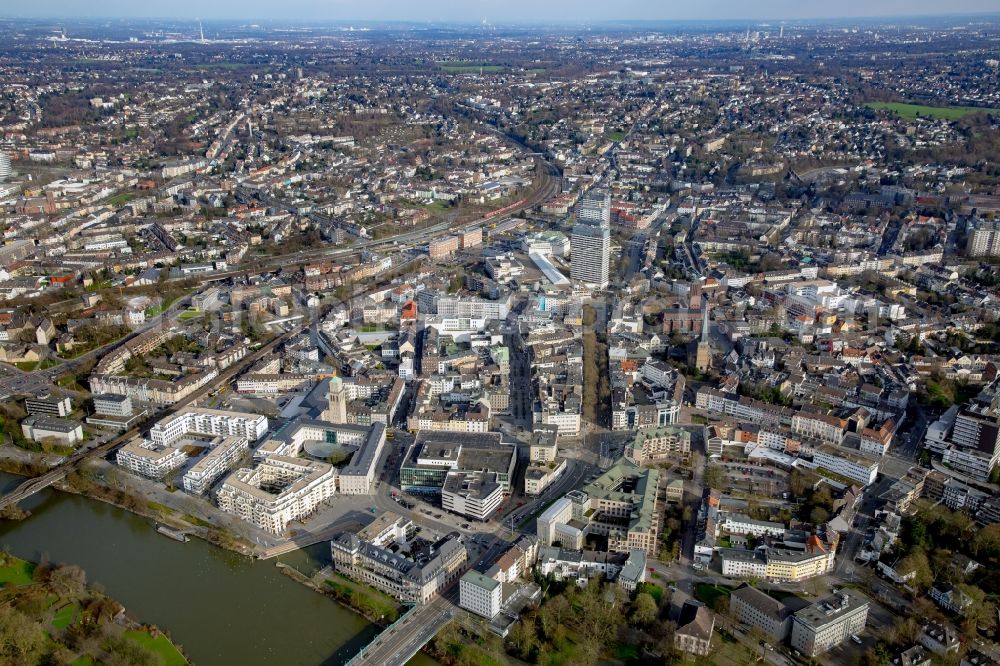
(150, 459)
(652, 444)
(539, 476)
(203, 421)
(737, 523)
(543, 445)
(820, 426)
(983, 239)
(743, 564)
(480, 594)
(220, 459)
(553, 525)
(277, 491)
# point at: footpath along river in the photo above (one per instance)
(222, 608)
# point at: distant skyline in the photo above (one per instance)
(511, 11)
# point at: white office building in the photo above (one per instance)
(63, 431)
(109, 404)
(829, 622)
(480, 594)
(472, 494)
(591, 239)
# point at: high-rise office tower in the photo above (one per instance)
(590, 243)
(594, 207)
(5, 168)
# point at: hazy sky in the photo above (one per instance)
(494, 10)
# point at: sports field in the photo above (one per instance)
(920, 111)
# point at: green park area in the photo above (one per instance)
(912, 111)
(714, 596)
(49, 615)
(120, 199)
(464, 67)
(159, 645)
(368, 601)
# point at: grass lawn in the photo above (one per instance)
(616, 136)
(161, 645)
(162, 509)
(364, 598)
(654, 591)
(190, 313)
(708, 593)
(120, 199)
(65, 616)
(626, 652)
(919, 111)
(456, 67)
(44, 364)
(18, 572)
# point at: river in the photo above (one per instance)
(220, 607)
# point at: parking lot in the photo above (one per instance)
(756, 479)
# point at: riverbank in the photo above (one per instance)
(222, 607)
(48, 614)
(378, 608)
(83, 484)
(115, 541)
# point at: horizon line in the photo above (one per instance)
(507, 22)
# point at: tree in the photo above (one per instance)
(798, 483)
(21, 640)
(644, 609)
(120, 651)
(714, 478)
(917, 563)
(987, 541)
(68, 581)
(818, 515)
(980, 613)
